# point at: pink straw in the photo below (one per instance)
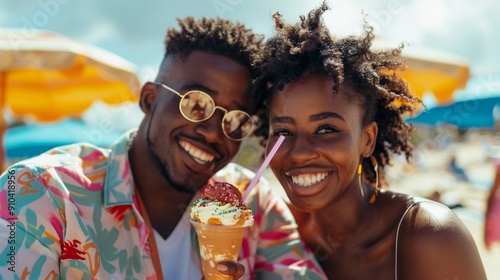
(263, 167)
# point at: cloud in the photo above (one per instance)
(461, 27)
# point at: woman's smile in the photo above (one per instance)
(307, 180)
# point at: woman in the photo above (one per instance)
(340, 106)
(492, 215)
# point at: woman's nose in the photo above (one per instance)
(302, 150)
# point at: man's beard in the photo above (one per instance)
(163, 165)
(179, 187)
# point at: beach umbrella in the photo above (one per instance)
(464, 114)
(48, 76)
(476, 106)
(430, 71)
(29, 140)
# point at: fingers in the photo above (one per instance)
(231, 268)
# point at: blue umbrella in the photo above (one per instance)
(473, 113)
(30, 140)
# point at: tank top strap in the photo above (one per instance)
(416, 201)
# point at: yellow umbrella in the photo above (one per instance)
(432, 72)
(50, 77)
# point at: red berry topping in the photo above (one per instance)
(222, 191)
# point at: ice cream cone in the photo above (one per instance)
(218, 243)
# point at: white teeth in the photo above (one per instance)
(199, 156)
(307, 180)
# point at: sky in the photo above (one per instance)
(135, 29)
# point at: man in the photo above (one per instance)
(82, 212)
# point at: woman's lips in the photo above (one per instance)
(307, 184)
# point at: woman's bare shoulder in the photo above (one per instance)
(434, 243)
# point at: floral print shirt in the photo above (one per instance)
(71, 213)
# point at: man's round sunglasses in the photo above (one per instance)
(198, 106)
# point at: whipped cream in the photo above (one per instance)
(210, 211)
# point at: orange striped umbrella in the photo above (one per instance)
(49, 76)
(432, 72)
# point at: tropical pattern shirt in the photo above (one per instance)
(71, 213)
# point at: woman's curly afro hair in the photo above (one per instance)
(307, 48)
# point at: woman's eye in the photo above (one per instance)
(284, 132)
(327, 129)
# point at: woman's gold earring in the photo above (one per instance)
(375, 167)
(360, 170)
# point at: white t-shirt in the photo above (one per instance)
(178, 260)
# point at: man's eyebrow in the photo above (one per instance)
(196, 86)
(325, 115)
